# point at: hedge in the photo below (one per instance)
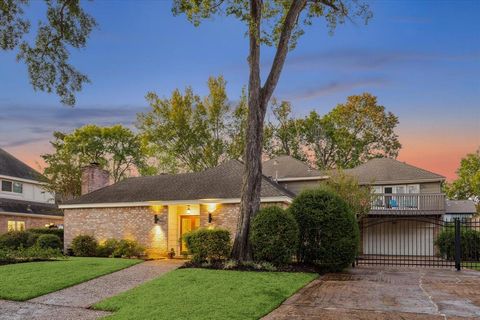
(49, 241)
(274, 236)
(470, 244)
(328, 229)
(208, 245)
(58, 232)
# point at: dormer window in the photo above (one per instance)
(12, 186)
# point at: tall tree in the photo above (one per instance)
(276, 23)
(352, 133)
(66, 26)
(237, 129)
(283, 135)
(185, 132)
(467, 185)
(117, 149)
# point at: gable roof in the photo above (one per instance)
(460, 206)
(29, 207)
(387, 170)
(11, 166)
(221, 182)
(288, 168)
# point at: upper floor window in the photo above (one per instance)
(11, 186)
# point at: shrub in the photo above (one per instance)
(274, 236)
(470, 244)
(84, 246)
(128, 248)
(57, 232)
(328, 230)
(208, 245)
(17, 239)
(49, 241)
(107, 248)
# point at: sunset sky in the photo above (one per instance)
(421, 59)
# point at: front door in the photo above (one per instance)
(187, 224)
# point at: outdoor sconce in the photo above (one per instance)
(188, 210)
(156, 219)
(209, 218)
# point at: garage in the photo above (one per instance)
(398, 237)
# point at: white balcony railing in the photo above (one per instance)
(408, 202)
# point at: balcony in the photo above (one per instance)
(408, 203)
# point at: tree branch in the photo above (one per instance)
(282, 49)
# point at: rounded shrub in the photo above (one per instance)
(328, 229)
(49, 241)
(274, 235)
(55, 231)
(208, 245)
(84, 246)
(127, 249)
(107, 248)
(17, 239)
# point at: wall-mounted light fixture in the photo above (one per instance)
(209, 218)
(189, 210)
(156, 219)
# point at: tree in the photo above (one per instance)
(117, 149)
(67, 26)
(185, 132)
(274, 23)
(467, 185)
(237, 129)
(346, 187)
(283, 136)
(352, 133)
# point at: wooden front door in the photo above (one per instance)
(187, 224)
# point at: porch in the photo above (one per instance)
(408, 203)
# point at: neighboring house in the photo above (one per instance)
(406, 210)
(24, 203)
(292, 174)
(461, 209)
(157, 210)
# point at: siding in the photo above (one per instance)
(299, 186)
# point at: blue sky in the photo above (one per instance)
(421, 58)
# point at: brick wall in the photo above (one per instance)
(30, 222)
(135, 223)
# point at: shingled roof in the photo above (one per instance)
(222, 182)
(460, 206)
(29, 207)
(386, 170)
(11, 166)
(287, 167)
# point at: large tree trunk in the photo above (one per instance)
(258, 99)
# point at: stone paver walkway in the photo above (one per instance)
(386, 294)
(88, 293)
(72, 303)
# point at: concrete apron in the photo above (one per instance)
(387, 293)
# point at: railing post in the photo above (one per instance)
(458, 247)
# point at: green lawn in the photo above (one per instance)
(206, 294)
(24, 281)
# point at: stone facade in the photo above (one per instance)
(134, 223)
(137, 223)
(30, 221)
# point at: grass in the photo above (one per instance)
(25, 281)
(206, 294)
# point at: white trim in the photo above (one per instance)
(167, 202)
(303, 178)
(21, 179)
(30, 215)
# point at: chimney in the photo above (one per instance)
(94, 178)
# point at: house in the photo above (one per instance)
(461, 209)
(292, 174)
(157, 210)
(24, 202)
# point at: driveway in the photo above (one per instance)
(386, 293)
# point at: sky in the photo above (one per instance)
(420, 58)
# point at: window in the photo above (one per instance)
(15, 225)
(18, 187)
(7, 185)
(413, 188)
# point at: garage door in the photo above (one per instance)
(402, 237)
